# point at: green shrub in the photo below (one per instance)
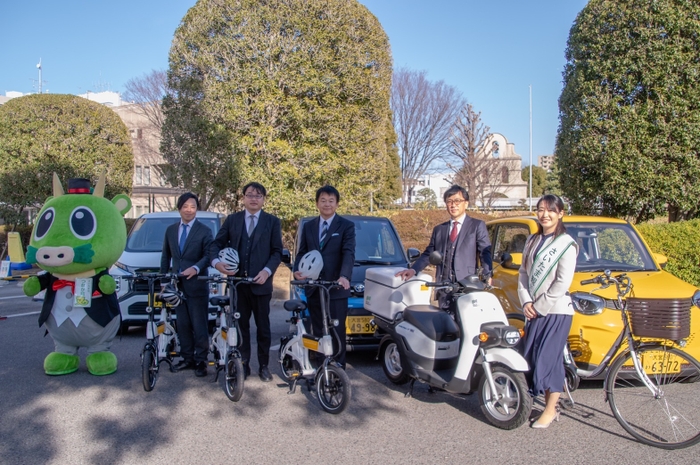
(680, 243)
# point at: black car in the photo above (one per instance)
(377, 244)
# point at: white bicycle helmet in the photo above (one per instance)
(171, 295)
(311, 264)
(229, 257)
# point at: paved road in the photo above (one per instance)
(80, 418)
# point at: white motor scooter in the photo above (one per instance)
(470, 351)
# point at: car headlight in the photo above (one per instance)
(587, 304)
(696, 299)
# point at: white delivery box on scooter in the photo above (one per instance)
(386, 294)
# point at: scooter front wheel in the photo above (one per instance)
(233, 382)
(149, 367)
(333, 389)
(510, 406)
(392, 364)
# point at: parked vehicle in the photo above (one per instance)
(144, 245)
(604, 244)
(471, 348)
(377, 244)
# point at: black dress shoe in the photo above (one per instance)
(264, 374)
(184, 365)
(246, 370)
(201, 369)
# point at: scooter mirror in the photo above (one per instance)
(435, 258)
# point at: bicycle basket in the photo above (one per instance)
(660, 318)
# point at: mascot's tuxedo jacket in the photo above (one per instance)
(472, 242)
(265, 250)
(338, 252)
(195, 253)
(102, 310)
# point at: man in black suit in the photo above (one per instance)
(334, 237)
(257, 236)
(187, 245)
(463, 242)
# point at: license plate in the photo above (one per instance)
(660, 362)
(359, 325)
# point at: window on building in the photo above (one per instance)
(146, 176)
(495, 149)
(504, 175)
(138, 176)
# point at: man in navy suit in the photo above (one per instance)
(334, 237)
(463, 242)
(187, 245)
(257, 237)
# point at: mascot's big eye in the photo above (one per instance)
(83, 223)
(44, 223)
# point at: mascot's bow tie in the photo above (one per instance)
(61, 283)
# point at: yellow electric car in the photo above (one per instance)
(604, 244)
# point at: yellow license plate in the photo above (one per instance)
(660, 362)
(359, 325)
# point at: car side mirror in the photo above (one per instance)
(511, 261)
(661, 259)
(435, 258)
(413, 254)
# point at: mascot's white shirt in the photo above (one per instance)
(63, 308)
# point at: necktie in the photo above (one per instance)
(324, 232)
(183, 237)
(251, 225)
(453, 233)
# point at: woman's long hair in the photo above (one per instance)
(552, 203)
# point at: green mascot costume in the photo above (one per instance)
(76, 238)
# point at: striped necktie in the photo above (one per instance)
(183, 238)
(324, 233)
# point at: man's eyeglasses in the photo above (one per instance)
(254, 196)
(455, 202)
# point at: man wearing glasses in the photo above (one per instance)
(463, 242)
(257, 236)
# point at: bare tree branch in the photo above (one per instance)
(423, 115)
(479, 169)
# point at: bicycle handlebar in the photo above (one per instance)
(225, 278)
(146, 276)
(622, 282)
(315, 282)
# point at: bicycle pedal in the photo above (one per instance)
(295, 374)
(211, 364)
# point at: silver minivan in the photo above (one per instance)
(144, 245)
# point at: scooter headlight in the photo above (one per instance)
(512, 337)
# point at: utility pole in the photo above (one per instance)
(530, 147)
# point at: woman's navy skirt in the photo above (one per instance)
(545, 339)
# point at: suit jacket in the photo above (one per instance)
(195, 253)
(553, 296)
(102, 310)
(473, 248)
(266, 249)
(338, 251)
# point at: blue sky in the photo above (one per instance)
(491, 51)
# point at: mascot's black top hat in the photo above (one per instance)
(79, 186)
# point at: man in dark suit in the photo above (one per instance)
(334, 237)
(463, 242)
(257, 236)
(187, 245)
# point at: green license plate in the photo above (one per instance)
(359, 325)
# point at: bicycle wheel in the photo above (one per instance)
(333, 391)
(233, 383)
(668, 418)
(291, 369)
(149, 367)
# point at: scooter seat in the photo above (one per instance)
(434, 323)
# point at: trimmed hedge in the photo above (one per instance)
(680, 243)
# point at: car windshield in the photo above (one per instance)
(147, 234)
(605, 246)
(376, 242)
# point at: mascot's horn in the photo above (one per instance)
(100, 187)
(57, 188)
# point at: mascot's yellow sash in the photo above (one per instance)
(546, 259)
